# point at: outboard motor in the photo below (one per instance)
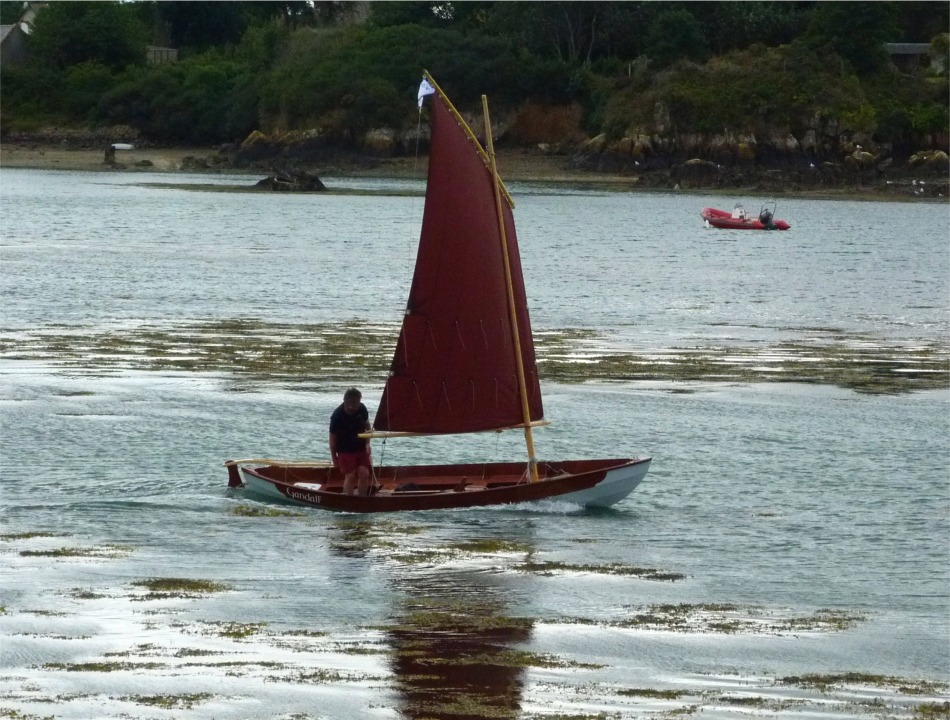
(765, 217)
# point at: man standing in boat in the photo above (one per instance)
(351, 453)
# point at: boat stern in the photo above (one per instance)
(234, 474)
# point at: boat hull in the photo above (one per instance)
(723, 220)
(586, 483)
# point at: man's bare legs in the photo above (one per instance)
(360, 478)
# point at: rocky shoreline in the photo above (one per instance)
(515, 164)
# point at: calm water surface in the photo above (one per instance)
(806, 528)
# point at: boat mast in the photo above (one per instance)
(512, 311)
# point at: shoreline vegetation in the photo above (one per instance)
(514, 164)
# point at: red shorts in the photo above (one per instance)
(349, 462)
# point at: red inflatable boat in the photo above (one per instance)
(738, 219)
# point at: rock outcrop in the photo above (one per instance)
(822, 154)
(292, 182)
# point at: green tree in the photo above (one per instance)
(737, 24)
(200, 25)
(10, 11)
(414, 12)
(922, 21)
(29, 96)
(82, 89)
(203, 99)
(70, 33)
(676, 35)
(857, 33)
(571, 32)
(326, 12)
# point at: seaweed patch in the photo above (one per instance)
(726, 619)
(552, 568)
(830, 681)
(169, 702)
(104, 552)
(334, 352)
(166, 588)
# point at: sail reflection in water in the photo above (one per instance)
(453, 647)
(453, 650)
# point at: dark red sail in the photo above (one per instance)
(455, 366)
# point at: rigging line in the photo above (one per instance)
(415, 217)
(415, 160)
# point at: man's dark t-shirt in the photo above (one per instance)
(348, 427)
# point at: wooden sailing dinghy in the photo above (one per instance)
(464, 361)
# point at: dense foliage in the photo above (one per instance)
(279, 66)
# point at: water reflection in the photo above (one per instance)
(454, 651)
(454, 648)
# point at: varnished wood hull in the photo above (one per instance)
(587, 483)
